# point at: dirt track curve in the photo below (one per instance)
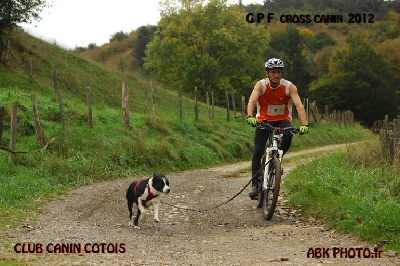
(93, 221)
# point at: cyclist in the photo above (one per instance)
(274, 97)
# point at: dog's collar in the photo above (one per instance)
(151, 195)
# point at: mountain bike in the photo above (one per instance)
(269, 181)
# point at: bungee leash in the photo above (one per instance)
(219, 205)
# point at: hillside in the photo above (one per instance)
(74, 75)
(108, 151)
(84, 155)
(156, 141)
(116, 54)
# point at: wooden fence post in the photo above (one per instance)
(208, 105)
(125, 104)
(6, 52)
(384, 136)
(212, 105)
(13, 137)
(396, 141)
(1, 124)
(228, 114)
(351, 117)
(334, 117)
(153, 98)
(146, 93)
(89, 106)
(326, 112)
(30, 67)
(233, 105)
(180, 103)
(196, 107)
(60, 104)
(315, 112)
(1, 52)
(244, 108)
(38, 125)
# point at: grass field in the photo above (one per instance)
(342, 189)
(353, 191)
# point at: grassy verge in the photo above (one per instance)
(353, 191)
(109, 151)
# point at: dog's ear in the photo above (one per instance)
(154, 175)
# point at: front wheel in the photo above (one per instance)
(260, 191)
(270, 195)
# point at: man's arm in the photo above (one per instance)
(253, 98)
(299, 105)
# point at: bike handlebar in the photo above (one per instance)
(278, 130)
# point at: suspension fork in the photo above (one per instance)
(271, 153)
(266, 172)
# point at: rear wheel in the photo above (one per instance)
(270, 195)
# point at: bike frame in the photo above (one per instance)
(269, 182)
(271, 150)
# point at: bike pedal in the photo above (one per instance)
(253, 198)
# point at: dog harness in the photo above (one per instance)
(150, 196)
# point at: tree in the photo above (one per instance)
(359, 80)
(209, 47)
(378, 7)
(288, 45)
(321, 60)
(320, 40)
(389, 50)
(144, 36)
(118, 36)
(19, 11)
(92, 46)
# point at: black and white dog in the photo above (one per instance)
(146, 193)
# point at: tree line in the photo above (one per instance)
(18, 11)
(209, 45)
(212, 47)
(378, 7)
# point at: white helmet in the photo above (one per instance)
(273, 63)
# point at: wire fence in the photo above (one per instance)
(236, 108)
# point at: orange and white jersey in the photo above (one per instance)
(274, 104)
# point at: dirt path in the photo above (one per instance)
(233, 234)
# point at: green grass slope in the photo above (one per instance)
(354, 192)
(162, 143)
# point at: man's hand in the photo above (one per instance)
(304, 130)
(251, 121)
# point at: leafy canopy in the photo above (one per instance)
(209, 46)
(288, 45)
(119, 36)
(144, 36)
(19, 11)
(359, 80)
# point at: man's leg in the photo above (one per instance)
(260, 139)
(287, 137)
